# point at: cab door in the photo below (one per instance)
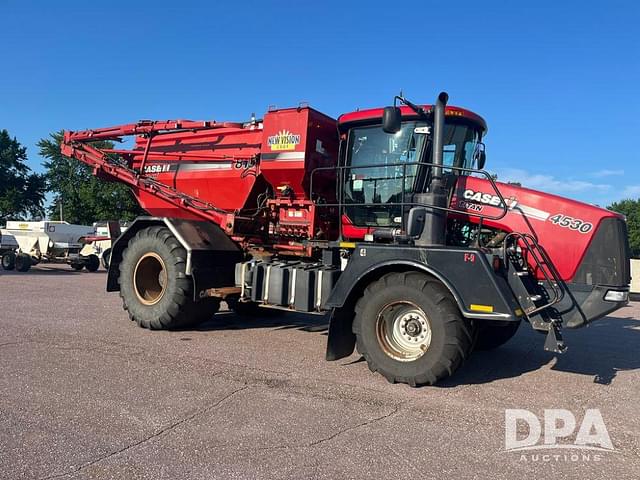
(381, 174)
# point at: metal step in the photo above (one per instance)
(522, 294)
(524, 290)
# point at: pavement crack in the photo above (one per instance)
(395, 410)
(328, 438)
(149, 438)
(7, 344)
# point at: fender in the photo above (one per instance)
(478, 292)
(469, 277)
(211, 254)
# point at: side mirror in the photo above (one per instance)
(415, 221)
(391, 119)
(480, 156)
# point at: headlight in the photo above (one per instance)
(616, 296)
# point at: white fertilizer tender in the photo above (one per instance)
(29, 243)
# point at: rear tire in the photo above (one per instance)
(9, 261)
(155, 290)
(23, 262)
(409, 328)
(492, 336)
(92, 263)
(77, 266)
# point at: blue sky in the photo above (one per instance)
(557, 81)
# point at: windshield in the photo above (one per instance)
(460, 143)
(384, 167)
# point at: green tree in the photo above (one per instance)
(21, 190)
(84, 198)
(630, 209)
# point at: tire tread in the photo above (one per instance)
(459, 332)
(181, 311)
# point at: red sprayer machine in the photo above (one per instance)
(384, 218)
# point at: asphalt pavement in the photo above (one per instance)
(85, 393)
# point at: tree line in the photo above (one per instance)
(84, 199)
(66, 183)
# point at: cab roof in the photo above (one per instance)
(365, 116)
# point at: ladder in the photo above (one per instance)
(536, 298)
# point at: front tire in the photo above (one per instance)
(155, 290)
(9, 261)
(409, 329)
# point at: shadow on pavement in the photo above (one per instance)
(278, 319)
(43, 270)
(607, 347)
(603, 349)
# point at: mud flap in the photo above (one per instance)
(341, 340)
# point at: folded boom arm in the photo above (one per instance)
(104, 161)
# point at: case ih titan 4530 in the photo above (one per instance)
(385, 218)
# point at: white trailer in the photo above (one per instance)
(48, 241)
(100, 244)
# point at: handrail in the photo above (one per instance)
(534, 248)
(341, 204)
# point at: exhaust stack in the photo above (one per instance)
(438, 134)
(435, 219)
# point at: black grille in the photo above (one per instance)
(607, 259)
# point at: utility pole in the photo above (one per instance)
(60, 207)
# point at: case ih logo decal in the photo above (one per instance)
(283, 140)
(158, 168)
(480, 197)
(475, 201)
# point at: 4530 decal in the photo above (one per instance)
(571, 223)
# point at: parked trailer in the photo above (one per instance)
(100, 243)
(383, 217)
(49, 242)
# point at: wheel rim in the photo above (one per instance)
(150, 278)
(404, 331)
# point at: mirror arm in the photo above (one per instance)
(416, 108)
